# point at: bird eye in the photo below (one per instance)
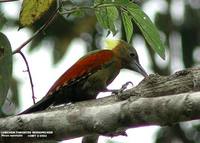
(132, 54)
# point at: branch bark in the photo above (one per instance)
(155, 101)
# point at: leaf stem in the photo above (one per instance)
(77, 8)
(54, 15)
(18, 50)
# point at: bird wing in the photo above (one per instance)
(82, 69)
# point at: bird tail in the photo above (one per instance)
(40, 105)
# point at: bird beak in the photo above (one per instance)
(139, 69)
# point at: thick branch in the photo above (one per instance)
(150, 103)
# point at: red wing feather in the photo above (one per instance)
(83, 66)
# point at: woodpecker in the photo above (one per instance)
(90, 75)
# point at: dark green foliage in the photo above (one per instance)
(5, 67)
(107, 15)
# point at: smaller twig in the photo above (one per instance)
(38, 31)
(29, 74)
(18, 50)
(7, 0)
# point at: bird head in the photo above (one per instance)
(127, 55)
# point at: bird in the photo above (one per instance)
(90, 75)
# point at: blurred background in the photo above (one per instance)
(69, 38)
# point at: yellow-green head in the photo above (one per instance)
(127, 55)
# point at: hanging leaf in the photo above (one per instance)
(106, 16)
(5, 67)
(128, 26)
(32, 10)
(101, 15)
(112, 13)
(147, 28)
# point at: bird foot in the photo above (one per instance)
(118, 92)
(124, 86)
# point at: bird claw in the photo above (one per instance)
(124, 86)
(119, 91)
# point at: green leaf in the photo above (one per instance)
(148, 29)
(106, 16)
(112, 13)
(102, 17)
(5, 67)
(32, 10)
(122, 1)
(128, 26)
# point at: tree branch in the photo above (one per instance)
(40, 30)
(155, 101)
(7, 0)
(18, 50)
